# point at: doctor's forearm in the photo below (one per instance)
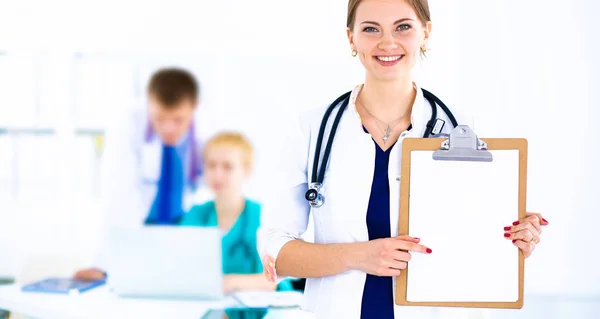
(308, 260)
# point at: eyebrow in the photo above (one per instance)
(397, 21)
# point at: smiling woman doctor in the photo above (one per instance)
(357, 254)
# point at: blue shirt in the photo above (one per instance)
(183, 149)
(175, 169)
(378, 293)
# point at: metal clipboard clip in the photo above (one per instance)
(463, 145)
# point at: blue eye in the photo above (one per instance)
(404, 27)
(370, 29)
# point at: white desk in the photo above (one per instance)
(101, 303)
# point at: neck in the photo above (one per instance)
(388, 99)
(229, 205)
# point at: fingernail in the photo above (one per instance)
(545, 221)
(507, 228)
(516, 223)
(428, 250)
(514, 241)
(417, 238)
(506, 235)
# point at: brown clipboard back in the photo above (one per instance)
(433, 144)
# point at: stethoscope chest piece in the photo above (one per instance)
(313, 195)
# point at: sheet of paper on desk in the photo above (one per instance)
(459, 210)
(269, 298)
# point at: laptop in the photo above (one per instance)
(166, 262)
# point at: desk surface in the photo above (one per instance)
(100, 303)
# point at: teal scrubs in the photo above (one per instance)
(240, 255)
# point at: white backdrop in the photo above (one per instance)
(519, 68)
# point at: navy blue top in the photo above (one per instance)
(378, 293)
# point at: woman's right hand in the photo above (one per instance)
(269, 267)
(385, 257)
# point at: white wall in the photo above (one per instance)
(520, 68)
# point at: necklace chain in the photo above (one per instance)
(388, 130)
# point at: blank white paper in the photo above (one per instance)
(459, 210)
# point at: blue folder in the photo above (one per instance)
(62, 285)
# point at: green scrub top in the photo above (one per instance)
(239, 252)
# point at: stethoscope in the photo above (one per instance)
(313, 194)
(194, 170)
(239, 242)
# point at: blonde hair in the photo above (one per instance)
(231, 139)
(421, 7)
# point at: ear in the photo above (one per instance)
(350, 35)
(427, 31)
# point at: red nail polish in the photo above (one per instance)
(516, 223)
(514, 241)
(545, 221)
(506, 235)
(507, 228)
(428, 250)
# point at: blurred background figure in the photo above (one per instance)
(228, 159)
(152, 164)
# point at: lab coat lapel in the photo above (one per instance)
(151, 157)
(394, 182)
(363, 177)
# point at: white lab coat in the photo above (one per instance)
(130, 172)
(347, 187)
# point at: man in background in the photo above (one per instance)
(151, 163)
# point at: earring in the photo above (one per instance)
(354, 53)
(423, 49)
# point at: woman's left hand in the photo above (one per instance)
(525, 233)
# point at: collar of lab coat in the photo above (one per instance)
(417, 116)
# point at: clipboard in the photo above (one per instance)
(462, 149)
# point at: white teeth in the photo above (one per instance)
(389, 58)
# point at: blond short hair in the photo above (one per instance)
(232, 139)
